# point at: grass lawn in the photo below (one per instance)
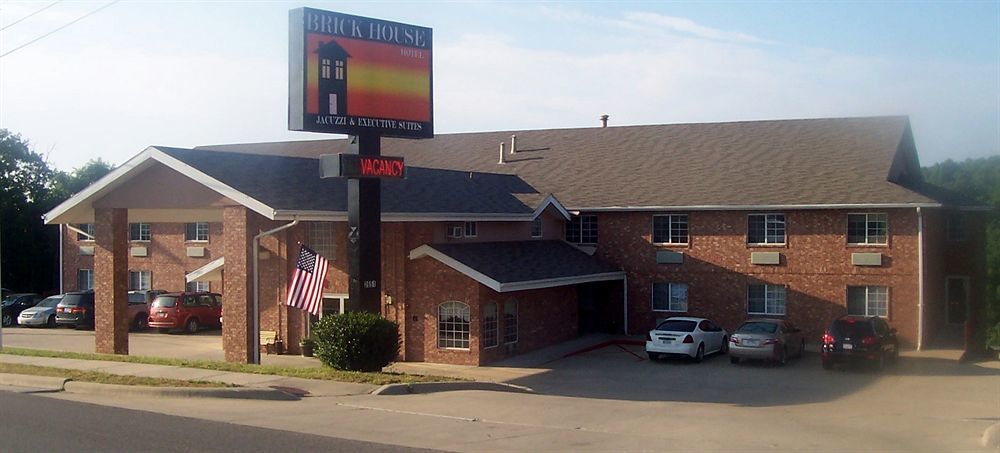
(323, 373)
(103, 378)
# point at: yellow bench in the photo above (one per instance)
(269, 341)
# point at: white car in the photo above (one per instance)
(42, 314)
(691, 337)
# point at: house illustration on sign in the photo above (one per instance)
(332, 78)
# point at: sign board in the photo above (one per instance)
(358, 76)
(358, 166)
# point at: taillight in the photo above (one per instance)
(769, 341)
(869, 341)
(734, 340)
(688, 339)
(77, 310)
(827, 338)
(650, 335)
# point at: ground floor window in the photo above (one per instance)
(332, 305)
(85, 279)
(670, 297)
(766, 300)
(139, 280)
(510, 321)
(490, 325)
(453, 325)
(868, 300)
(194, 287)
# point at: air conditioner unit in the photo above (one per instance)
(455, 231)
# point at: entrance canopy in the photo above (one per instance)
(521, 265)
(211, 272)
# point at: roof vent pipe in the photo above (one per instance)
(604, 120)
(501, 153)
(513, 144)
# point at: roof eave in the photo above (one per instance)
(754, 207)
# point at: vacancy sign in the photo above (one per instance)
(358, 76)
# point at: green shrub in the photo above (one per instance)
(356, 341)
(993, 336)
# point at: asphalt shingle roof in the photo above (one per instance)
(523, 261)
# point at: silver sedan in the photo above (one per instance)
(42, 314)
(766, 339)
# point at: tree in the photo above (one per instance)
(64, 185)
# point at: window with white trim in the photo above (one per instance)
(868, 300)
(670, 229)
(510, 321)
(84, 279)
(139, 280)
(536, 227)
(869, 228)
(766, 299)
(582, 229)
(196, 287)
(86, 228)
(321, 239)
(341, 71)
(138, 232)
(490, 325)
(324, 68)
(196, 231)
(670, 296)
(470, 229)
(766, 229)
(453, 325)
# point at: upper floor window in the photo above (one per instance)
(536, 227)
(453, 325)
(470, 229)
(490, 324)
(670, 229)
(139, 280)
(324, 68)
(868, 300)
(957, 230)
(766, 229)
(138, 232)
(86, 228)
(321, 239)
(197, 231)
(869, 228)
(582, 229)
(766, 299)
(340, 70)
(670, 297)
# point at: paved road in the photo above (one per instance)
(32, 423)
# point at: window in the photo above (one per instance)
(956, 227)
(138, 280)
(332, 104)
(868, 300)
(670, 297)
(193, 287)
(339, 72)
(490, 325)
(670, 229)
(582, 229)
(197, 231)
(470, 229)
(453, 325)
(766, 229)
(87, 228)
(138, 231)
(867, 228)
(324, 66)
(536, 227)
(766, 299)
(510, 321)
(321, 239)
(85, 279)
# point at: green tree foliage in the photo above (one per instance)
(978, 179)
(64, 185)
(356, 341)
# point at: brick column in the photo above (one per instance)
(237, 340)
(111, 280)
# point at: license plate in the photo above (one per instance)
(163, 315)
(751, 343)
(666, 340)
(848, 347)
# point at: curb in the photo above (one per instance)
(61, 384)
(36, 382)
(434, 387)
(991, 437)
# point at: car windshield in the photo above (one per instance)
(851, 328)
(165, 302)
(49, 302)
(9, 300)
(72, 300)
(757, 327)
(677, 325)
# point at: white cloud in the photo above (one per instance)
(689, 27)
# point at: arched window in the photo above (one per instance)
(453, 325)
(490, 325)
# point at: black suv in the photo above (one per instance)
(76, 309)
(859, 339)
(14, 304)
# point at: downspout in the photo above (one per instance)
(920, 279)
(625, 303)
(255, 319)
(61, 258)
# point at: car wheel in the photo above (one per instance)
(653, 355)
(827, 364)
(782, 359)
(7, 320)
(52, 321)
(141, 322)
(192, 326)
(734, 360)
(700, 355)
(724, 349)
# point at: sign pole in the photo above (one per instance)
(364, 230)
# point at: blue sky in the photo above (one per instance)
(193, 73)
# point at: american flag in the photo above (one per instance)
(305, 290)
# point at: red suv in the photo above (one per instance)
(187, 311)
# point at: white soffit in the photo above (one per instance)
(211, 272)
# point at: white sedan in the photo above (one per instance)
(691, 337)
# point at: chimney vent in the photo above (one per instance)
(501, 153)
(604, 120)
(513, 144)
